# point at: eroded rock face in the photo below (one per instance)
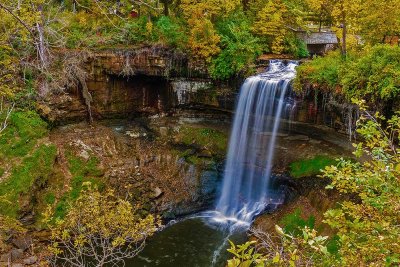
(123, 83)
(134, 82)
(135, 162)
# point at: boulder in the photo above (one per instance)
(30, 260)
(17, 254)
(23, 242)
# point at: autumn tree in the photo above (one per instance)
(271, 23)
(99, 229)
(203, 38)
(345, 15)
(379, 20)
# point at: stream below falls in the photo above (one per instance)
(190, 242)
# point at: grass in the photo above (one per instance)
(214, 140)
(310, 167)
(292, 223)
(81, 172)
(31, 164)
(21, 135)
(33, 170)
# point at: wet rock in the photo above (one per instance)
(277, 134)
(209, 181)
(17, 254)
(23, 242)
(298, 138)
(29, 218)
(205, 154)
(315, 142)
(30, 260)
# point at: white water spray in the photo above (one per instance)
(245, 190)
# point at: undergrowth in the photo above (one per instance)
(310, 167)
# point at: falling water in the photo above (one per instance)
(245, 190)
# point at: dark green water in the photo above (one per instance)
(188, 243)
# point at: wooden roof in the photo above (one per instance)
(318, 37)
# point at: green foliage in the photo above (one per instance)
(245, 255)
(296, 47)
(307, 249)
(368, 226)
(135, 30)
(310, 167)
(34, 170)
(22, 133)
(321, 71)
(170, 32)
(82, 172)
(375, 75)
(372, 73)
(293, 223)
(240, 47)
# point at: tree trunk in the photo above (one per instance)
(245, 5)
(344, 35)
(166, 10)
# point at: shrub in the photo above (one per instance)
(371, 74)
(239, 48)
(170, 32)
(99, 229)
(367, 226)
(295, 47)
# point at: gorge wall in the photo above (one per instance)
(128, 83)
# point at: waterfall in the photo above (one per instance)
(262, 102)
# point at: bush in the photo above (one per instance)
(239, 48)
(367, 226)
(296, 47)
(136, 31)
(322, 72)
(170, 32)
(293, 223)
(372, 74)
(99, 229)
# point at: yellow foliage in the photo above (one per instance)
(194, 9)
(100, 222)
(271, 23)
(203, 40)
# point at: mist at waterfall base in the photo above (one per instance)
(246, 190)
